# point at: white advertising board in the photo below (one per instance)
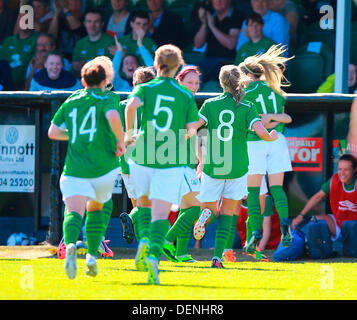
(17, 158)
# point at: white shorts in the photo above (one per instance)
(191, 182)
(129, 186)
(98, 189)
(269, 157)
(212, 189)
(163, 184)
(263, 187)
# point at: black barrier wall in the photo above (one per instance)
(30, 199)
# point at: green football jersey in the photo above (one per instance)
(137, 125)
(92, 144)
(130, 46)
(227, 126)
(166, 109)
(86, 50)
(265, 100)
(18, 53)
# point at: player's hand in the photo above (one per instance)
(265, 118)
(120, 149)
(129, 139)
(273, 135)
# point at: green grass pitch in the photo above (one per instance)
(43, 278)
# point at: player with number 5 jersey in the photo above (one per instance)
(228, 118)
(157, 170)
(264, 91)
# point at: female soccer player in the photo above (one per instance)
(90, 122)
(228, 118)
(141, 75)
(267, 157)
(189, 77)
(157, 170)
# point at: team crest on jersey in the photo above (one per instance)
(347, 205)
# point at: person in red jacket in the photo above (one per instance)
(341, 189)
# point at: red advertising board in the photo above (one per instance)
(305, 153)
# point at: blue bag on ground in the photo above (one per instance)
(349, 238)
(294, 251)
(318, 240)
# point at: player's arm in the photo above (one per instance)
(263, 133)
(193, 127)
(310, 204)
(57, 133)
(275, 117)
(113, 118)
(130, 112)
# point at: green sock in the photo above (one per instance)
(280, 201)
(254, 210)
(72, 225)
(249, 230)
(134, 215)
(183, 225)
(222, 234)
(106, 214)
(94, 231)
(158, 230)
(268, 211)
(143, 222)
(230, 241)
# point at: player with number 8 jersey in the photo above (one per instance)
(228, 118)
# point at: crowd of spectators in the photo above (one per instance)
(68, 33)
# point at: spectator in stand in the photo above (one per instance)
(53, 77)
(290, 11)
(5, 76)
(67, 25)
(96, 43)
(329, 85)
(276, 27)
(119, 22)
(219, 30)
(18, 50)
(138, 43)
(258, 43)
(165, 26)
(342, 193)
(44, 44)
(7, 21)
(125, 65)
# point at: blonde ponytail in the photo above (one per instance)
(271, 65)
